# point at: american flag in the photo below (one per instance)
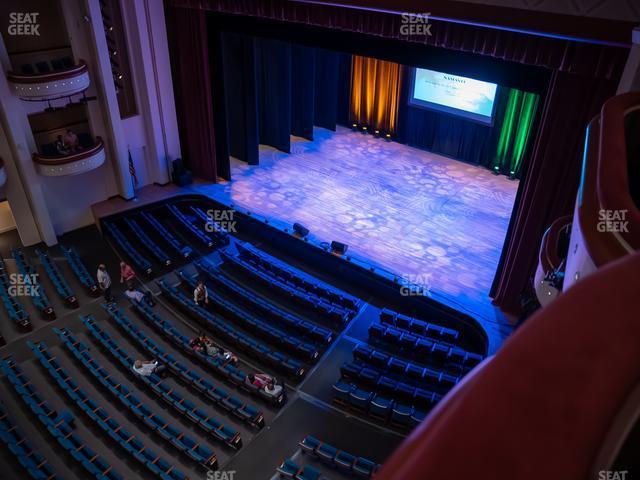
(132, 169)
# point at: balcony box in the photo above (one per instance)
(49, 86)
(73, 164)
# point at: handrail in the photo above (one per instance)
(50, 76)
(64, 159)
(549, 251)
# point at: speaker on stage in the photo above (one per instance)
(339, 248)
(300, 229)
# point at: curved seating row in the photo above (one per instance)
(59, 282)
(183, 406)
(148, 243)
(30, 279)
(61, 426)
(87, 280)
(202, 237)
(390, 387)
(395, 366)
(278, 360)
(263, 306)
(248, 321)
(418, 327)
(344, 461)
(15, 310)
(210, 224)
(129, 401)
(335, 314)
(306, 282)
(141, 262)
(19, 445)
(377, 405)
(226, 371)
(409, 345)
(290, 469)
(181, 249)
(227, 402)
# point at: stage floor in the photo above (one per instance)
(427, 218)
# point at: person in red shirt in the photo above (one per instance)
(126, 272)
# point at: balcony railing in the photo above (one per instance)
(72, 164)
(49, 86)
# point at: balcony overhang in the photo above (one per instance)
(74, 164)
(50, 86)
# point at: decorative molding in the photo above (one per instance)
(81, 162)
(49, 86)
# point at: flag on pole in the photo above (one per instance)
(132, 170)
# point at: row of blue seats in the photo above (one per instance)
(253, 324)
(183, 406)
(376, 405)
(148, 243)
(419, 327)
(451, 357)
(31, 279)
(290, 469)
(59, 282)
(162, 232)
(297, 277)
(210, 224)
(15, 310)
(61, 426)
(141, 262)
(344, 461)
(87, 280)
(101, 417)
(220, 327)
(402, 368)
(257, 302)
(226, 371)
(195, 231)
(229, 403)
(19, 445)
(391, 388)
(335, 315)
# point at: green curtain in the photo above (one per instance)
(514, 134)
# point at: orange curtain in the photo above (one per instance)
(375, 93)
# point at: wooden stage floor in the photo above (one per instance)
(429, 219)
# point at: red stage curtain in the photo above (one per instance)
(375, 93)
(190, 63)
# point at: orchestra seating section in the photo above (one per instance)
(275, 316)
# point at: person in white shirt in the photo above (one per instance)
(138, 296)
(104, 282)
(146, 368)
(200, 294)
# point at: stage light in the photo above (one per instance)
(496, 170)
(364, 129)
(354, 126)
(377, 132)
(387, 137)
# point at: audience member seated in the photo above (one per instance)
(138, 296)
(265, 382)
(148, 367)
(61, 146)
(71, 139)
(204, 344)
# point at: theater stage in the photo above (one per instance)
(433, 220)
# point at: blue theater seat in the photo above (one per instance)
(196, 231)
(161, 232)
(288, 468)
(17, 314)
(147, 242)
(140, 262)
(179, 439)
(40, 301)
(420, 327)
(308, 472)
(58, 280)
(87, 280)
(220, 327)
